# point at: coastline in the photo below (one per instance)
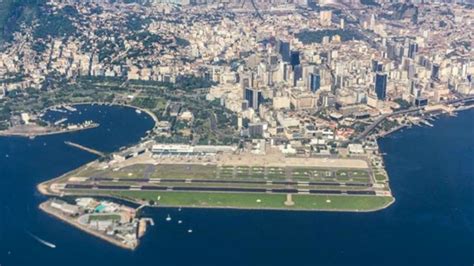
(150, 113)
(3, 133)
(400, 127)
(43, 206)
(44, 189)
(133, 201)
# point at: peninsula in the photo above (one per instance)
(257, 104)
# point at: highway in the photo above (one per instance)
(379, 120)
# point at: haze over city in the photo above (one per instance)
(238, 132)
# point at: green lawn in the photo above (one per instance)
(267, 201)
(380, 177)
(105, 217)
(133, 171)
(184, 171)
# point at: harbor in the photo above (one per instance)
(32, 125)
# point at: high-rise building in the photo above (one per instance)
(254, 97)
(297, 74)
(381, 85)
(377, 66)
(412, 50)
(283, 71)
(314, 82)
(247, 80)
(435, 71)
(284, 50)
(295, 58)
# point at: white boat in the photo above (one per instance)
(180, 221)
(190, 231)
(44, 242)
(138, 111)
(168, 218)
(69, 108)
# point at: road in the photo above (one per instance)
(379, 120)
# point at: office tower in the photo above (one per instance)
(297, 74)
(253, 97)
(284, 50)
(412, 50)
(376, 66)
(283, 71)
(295, 58)
(435, 71)
(381, 85)
(314, 82)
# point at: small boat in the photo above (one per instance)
(168, 218)
(190, 231)
(44, 242)
(138, 111)
(180, 221)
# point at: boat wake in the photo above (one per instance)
(42, 241)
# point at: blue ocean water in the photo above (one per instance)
(431, 223)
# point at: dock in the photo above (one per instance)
(84, 148)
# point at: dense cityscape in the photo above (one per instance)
(293, 72)
(275, 105)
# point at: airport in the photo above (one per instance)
(153, 169)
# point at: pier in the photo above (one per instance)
(84, 148)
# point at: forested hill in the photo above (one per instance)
(13, 12)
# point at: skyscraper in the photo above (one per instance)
(435, 71)
(254, 97)
(376, 66)
(412, 50)
(284, 50)
(381, 85)
(297, 74)
(295, 58)
(314, 82)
